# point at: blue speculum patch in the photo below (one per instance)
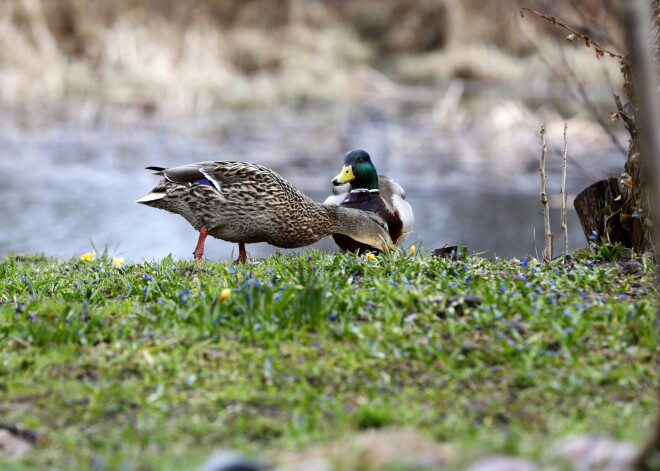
(203, 181)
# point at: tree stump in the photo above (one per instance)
(598, 208)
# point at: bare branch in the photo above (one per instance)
(547, 233)
(600, 50)
(564, 225)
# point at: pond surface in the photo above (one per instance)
(70, 177)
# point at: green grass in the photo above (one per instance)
(149, 366)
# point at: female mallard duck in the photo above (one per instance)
(359, 186)
(247, 203)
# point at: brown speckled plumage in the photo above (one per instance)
(249, 203)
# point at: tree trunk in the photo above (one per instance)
(635, 203)
(633, 224)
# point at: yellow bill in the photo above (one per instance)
(345, 176)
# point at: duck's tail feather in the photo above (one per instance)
(153, 196)
(158, 170)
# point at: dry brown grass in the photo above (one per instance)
(174, 57)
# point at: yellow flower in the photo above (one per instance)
(369, 256)
(88, 256)
(224, 294)
(412, 249)
(117, 261)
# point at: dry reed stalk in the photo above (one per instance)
(547, 233)
(564, 225)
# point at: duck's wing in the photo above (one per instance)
(395, 197)
(223, 173)
(389, 187)
(188, 173)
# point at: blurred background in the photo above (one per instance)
(448, 97)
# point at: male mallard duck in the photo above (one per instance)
(246, 203)
(359, 186)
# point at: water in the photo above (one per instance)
(70, 178)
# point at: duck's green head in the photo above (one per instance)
(358, 171)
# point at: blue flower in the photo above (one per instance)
(277, 296)
(524, 262)
(147, 277)
(521, 277)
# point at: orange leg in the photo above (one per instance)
(199, 250)
(242, 254)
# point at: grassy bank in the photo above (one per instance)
(150, 366)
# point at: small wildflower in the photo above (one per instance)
(524, 262)
(88, 256)
(369, 256)
(117, 261)
(412, 249)
(224, 294)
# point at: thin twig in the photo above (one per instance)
(547, 233)
(600, 50)
(564, 225)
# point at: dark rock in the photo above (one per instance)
(453, 252)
